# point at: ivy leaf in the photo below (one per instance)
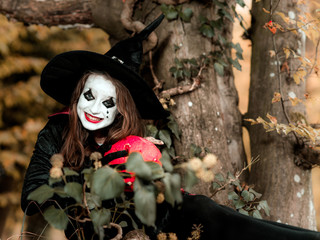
(171, 13)
(152, 130)
(173, 126)
(264, 205)
(247, 196)
(99, 218)
(165, 160)
(235, 63)
(244, 212)
(41, 194)
(93, 200)
(164, 135)
(145, 202)
(136, 164)
(207, 30)
(107, 183)
(219, 177)
(56, 217)
(186, 14)
(156, 170)
(241, 3)
(219, 68)
(256, 214)
(69, 172)
(256, 194)
(175, 187)
(74, 190)
(190, 180)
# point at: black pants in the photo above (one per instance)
(220, 222)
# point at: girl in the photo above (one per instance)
(107, 99)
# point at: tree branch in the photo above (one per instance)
(48, 12)
(136, 26)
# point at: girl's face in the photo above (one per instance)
(96, 106)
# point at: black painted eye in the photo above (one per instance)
(88, 95)
(109, 103)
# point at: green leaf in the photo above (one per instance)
(186, 14)
(93, 200)
(233, 196)
(166, 160)
(235, 63)
(168, 191)
(257, 195)
(247, 196)
(223, 12)
(256, 214)
(156, 170)
(152, 130)
(244, 212)
(164, 135)
(219, 177)
(173, 70)
(264, 205)
(145, 202)
(195, 150)
(99, 218)
(186, 73)
(215, 185)
(219, 68)
(207, 30)
(54, 180)
(107, 183)
(174, 127)
(60, 191)
(171, 13)
(241, 3)
(74, 190)
(136, 164)
(69, 172)
(203, 19)
(176, 187)
(56, 217)
(41, 194)
(190, 179)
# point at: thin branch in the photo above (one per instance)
(237, 175)
(315, 59)
(278, 69)
(158, 84)
(186, 88)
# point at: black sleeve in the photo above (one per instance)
(49, 142)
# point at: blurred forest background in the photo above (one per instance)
(24, 51)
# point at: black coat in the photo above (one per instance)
(219, 222)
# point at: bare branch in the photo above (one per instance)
(47, 12)
(136, 26)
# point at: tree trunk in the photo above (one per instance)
(208, 116)
(285, 186)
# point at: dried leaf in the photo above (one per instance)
(285, 67)
(272, 53)
(283, 16)
(276, 97)
(287, 52)
(272, 118)
(265, 10)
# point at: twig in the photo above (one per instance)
(119, 228)
(315, 59)
(278, 70)
(157, 83)
(186, 88)
(237, 175)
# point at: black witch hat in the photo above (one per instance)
(61, 75)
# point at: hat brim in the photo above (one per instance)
(61, 75)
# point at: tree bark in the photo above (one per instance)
(286, 187)
(48, 12)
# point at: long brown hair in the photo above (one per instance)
(76, 138)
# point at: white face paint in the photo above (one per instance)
(96, 106)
